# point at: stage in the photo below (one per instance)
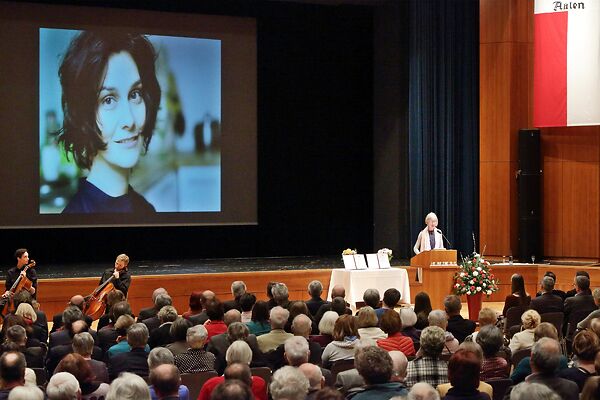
(57, 283)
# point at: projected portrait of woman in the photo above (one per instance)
(110, 98)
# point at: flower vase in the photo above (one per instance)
(474, 302)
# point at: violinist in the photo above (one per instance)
(122, 278)
(22, 257)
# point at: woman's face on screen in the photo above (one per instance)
(121, 111)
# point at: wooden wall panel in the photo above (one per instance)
(495, 177)
(552, 204)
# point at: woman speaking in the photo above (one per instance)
(430, 237)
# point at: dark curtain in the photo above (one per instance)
(444, 118)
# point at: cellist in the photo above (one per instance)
(13, 273)
(120, 272)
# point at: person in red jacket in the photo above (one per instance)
(392, 325)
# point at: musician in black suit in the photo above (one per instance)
(136, 360)
(547, 301)
(122, 278)
(13, 273)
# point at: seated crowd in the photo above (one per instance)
(246, 348)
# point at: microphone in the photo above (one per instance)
(444, 236)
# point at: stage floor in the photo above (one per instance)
(198, 266)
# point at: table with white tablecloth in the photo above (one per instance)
(357, 281)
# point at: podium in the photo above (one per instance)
(435, 270)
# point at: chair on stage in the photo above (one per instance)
(341, 366)
(499, 386)
(194, 381)
(513, 318)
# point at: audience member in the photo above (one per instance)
(162, 356)
(491, 339)
(277, 335)
(375, 367)
(128, 386)
(16, 340)
(195, 305)
(423, 391)
(371, 298)
(236, 370)
(315, 290)
(63, 386)
(56, 353)
(12, 372)
(483, 386)
(585, 347)
(409, 319)
(547, 301)
(235, 331)
(195, 358)
(161, 336)
(299, 308)
(107, 320)
(345, 339)
(573, 291)
(136, 360)
(178, 333)
(121, 327)
(328, 393)
(581, 302)
(316, 381)
(76, 301)
(77, 366)
(422, 309)
(487, 316)
(391, 298)
(326, 325)
(27, 392)
(281, 295)
(259, 324)
(438, 318)
(428, 367)
(338, 304)
(202, 317)
(152, 323)
(238, 288)
(368, 324)
(459, 327)
(247, 301)
(215, 324)
(40, 326)
(232, 389)
(533, 391)
(524, 339)
(271, 303)
(463, 372)
(392, 326)
(150, 312)
(301, 328)
(107, 336)
(65, 336)
(289, 383)
(585, 323)
(519, 296)
(556, 292)
(591, 390)
(165, 381)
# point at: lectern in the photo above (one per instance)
(435, 270)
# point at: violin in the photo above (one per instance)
(21, 283)
(95, 304)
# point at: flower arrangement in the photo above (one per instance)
(349, 252)
(387, 252)
(475, 276)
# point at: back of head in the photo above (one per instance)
(232, 389)
(63, 386)
(167, 314)
(238, 288)
(288, 383)
(391, 297)
(545, 356)
(423, 391)
(302, 325)
(366, 318)
(165, 379)
(452, 304)
(327, 322)
(279, 317)
(237, 331)
(517, 285)
(296, 350)
(399, 364)
(432, 341)
(391, 322)
(239, 371)
(463, 370)
(532, 391)
(128, 386)
(547, 284)
(530, 319)
(260, 311)
(247, 301)
(162, 299)
(582, 282)
(280, 293)
(158, 291)
(338, 304)
(159, 356)
(422, 303)
(214, 310)
(120, 308)
(344, 326)
(123, 323)
(487, 316)
(408, 317)
(371, 298)
(12, 367)
(232, 316)
(27, 392)
(315, 288)
(373, 364)
(545, 329)
(179, 328)
(77, 366)
(438, 318)
(490, 338)
(238, 352)
(338, 291)
(26, 311)
(70, 315)
(196, 336)
(313, 373)
(586, 345)
(16, 334)
(137, 335)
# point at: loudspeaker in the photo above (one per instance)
(529, 188)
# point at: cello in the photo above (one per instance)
(22, 282)
(95, 304)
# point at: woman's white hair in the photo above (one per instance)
(289, 383)
(238, 352)
(408, 317)
(430, 217)
(63, 386)
(128, 386)
(328, 322)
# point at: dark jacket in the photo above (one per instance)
(121, 284)
(460, 327)
(134, 361)
(547, 303)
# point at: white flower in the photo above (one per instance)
(475, 273)
(478, 268)
(462, 274)
(478, 289)
(472, 281)
(488, 292)
(483, 284)
(468, 292)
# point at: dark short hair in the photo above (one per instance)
(391, 297)
(269, 287)
(214, 310)
(463, 370)
(390, 322)
(247, 301)
(12, 371)
(120, 308)
(195, 301)
(582, 273)
(260, 311)
(19, 253)
(582, 282)
(586, 345)
(178, 330)
(373, 364)
(344, 326)
(166, 383)
(81, 73)
(22, 297)
(338, 304)
(232, 389)
(76, 365)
